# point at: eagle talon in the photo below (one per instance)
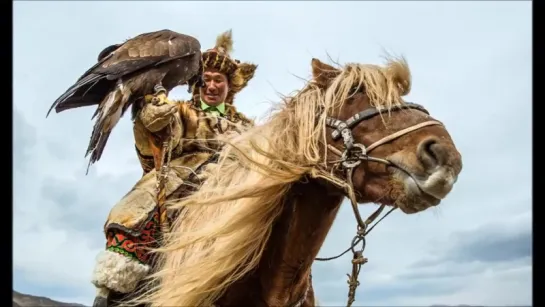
(194, 83)
(159, 89)
(159, 99)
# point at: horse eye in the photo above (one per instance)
(355, 89)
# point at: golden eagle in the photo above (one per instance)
(126, 72)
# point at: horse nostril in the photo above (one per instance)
(428, 153)
(428, 149)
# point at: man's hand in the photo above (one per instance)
(158, 110)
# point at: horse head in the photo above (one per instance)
(400, 155)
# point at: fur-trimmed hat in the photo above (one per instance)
(238, 74)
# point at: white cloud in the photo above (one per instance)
(471, 65)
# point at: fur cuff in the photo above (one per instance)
(117, 272)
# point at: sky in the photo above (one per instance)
(471, 68)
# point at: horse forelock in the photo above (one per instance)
(384, 85)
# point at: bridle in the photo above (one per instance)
(351, 157)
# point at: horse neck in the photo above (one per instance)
(309, 211)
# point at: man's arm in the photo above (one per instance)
(158, 118)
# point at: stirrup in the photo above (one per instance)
(100, 301)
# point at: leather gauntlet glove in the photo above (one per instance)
(157, 112)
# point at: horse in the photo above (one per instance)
(249, 235)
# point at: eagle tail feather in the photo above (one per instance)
(98, 149)
(109, 113)
(99, 127)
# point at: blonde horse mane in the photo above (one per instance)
(221, 233)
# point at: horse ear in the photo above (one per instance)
(322, 73)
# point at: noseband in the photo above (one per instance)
(351, 157)
(344, 129)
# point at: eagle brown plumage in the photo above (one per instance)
(125, 73)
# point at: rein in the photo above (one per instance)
(351, 157)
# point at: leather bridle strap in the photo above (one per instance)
(367, 114)
(343, 128)
(400, 133)
(383, 141)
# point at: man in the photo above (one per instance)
(134, 223)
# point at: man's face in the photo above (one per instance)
(216, 88)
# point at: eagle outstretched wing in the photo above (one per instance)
(125, 73)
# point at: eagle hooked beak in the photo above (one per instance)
(196, 82)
